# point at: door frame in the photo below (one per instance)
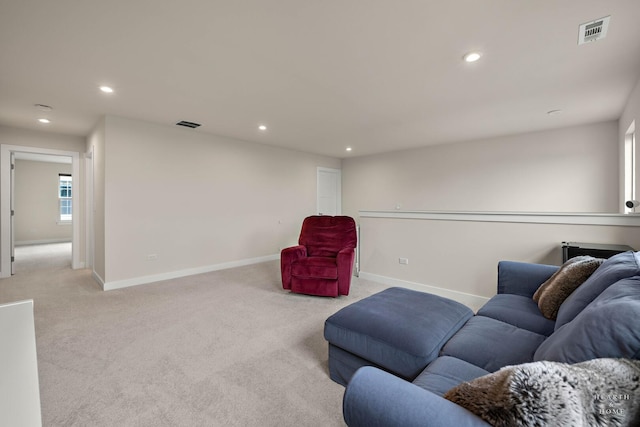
(5, 199)
(89, 208)
(12, 206)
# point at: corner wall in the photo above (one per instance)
(559, 171)
(96, 146)
(178, 201)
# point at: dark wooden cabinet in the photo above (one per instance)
(597, 250)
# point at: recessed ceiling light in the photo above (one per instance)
(472, 56)
(106, 89)
(45, 121)
(262, 127)
(349, 148)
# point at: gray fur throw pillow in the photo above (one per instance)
(573, 273)
(595, 393)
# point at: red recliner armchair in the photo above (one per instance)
(322, 263)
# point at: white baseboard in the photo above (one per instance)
(118, 284)
(98, 279)
(470, 300)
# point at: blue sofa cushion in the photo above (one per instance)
(491, 344)
(377, 398)
(342, 364)
(522, 278)
(446, 372)
(398, 329)
(519, 311)
(608, 327)
(620, 266)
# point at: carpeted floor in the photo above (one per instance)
(45, 257)
(227, 348)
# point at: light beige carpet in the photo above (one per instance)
(228, 348)
(51, 256)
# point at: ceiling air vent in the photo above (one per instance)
(186, 124)
(594, 30)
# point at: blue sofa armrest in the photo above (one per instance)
(522, 278)
(375, 398)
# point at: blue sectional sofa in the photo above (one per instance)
(394, 379)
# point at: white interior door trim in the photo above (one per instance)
(89, 209)
(12, 206)
(5, 199)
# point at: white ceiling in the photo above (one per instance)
(376, 75)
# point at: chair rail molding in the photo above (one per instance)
(608, 219)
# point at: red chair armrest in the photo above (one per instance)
(287, 256)
(294, 252)
(345, 260)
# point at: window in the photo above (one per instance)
(64, 197)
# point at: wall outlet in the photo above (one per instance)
(152, 257)
(403, 261)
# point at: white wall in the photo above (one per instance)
(566, 170)
(462, 256)
(96, 145)
(36, 203)
(49, 140)
(195, 200)
(630, 115)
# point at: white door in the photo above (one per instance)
(329, 191)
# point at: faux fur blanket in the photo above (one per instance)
(596, 393)
(573, 273)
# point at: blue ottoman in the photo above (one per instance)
(398, 330)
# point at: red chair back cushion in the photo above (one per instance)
(325, 236)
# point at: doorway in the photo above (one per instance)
(42, 204)
(329, 191)
(7, 200)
